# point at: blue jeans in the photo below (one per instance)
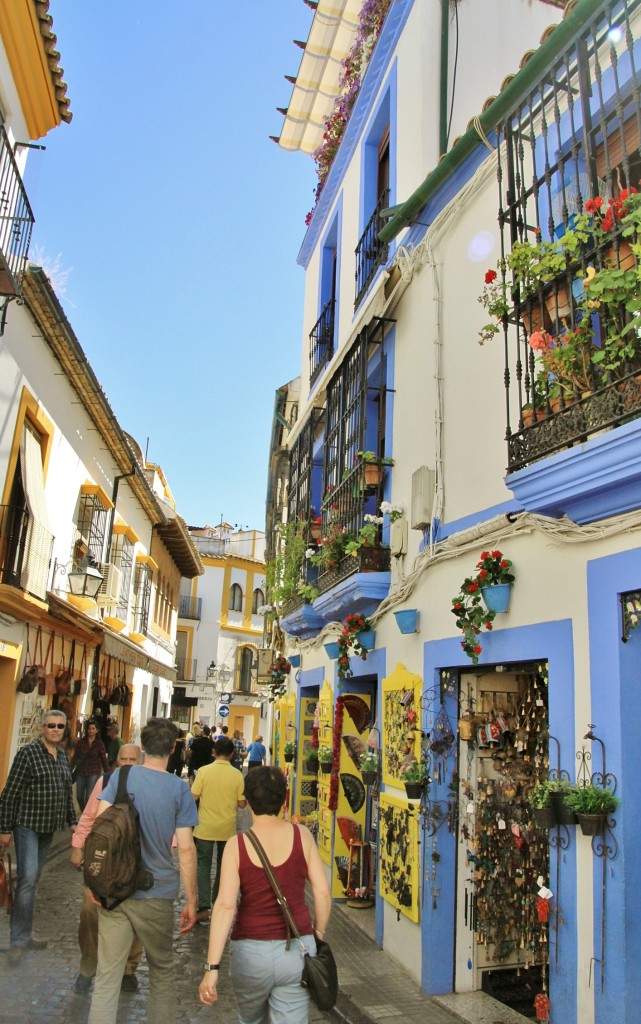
(266, 979)
(84, 788)
(31, 853)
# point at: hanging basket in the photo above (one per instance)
(544, 817)
(497, 597)
(326, 767)
(414, 790)
(369, 778)
(289, 758)
(592, 824)
(562, 813)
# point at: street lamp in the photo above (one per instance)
(85, 580)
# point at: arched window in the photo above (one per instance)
(236, 598)
(258, 600)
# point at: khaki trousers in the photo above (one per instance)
(88, 941)
(153, 921)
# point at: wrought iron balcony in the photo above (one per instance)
(321, 341)
(343, 514)
(189, 607)
(186, 669)
(371, 253)
(25, 551)
(16, 221)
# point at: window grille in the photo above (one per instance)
(142, 597)
(122, 555)
(91, 529)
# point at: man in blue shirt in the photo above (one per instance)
(257, 754)
(165, 806)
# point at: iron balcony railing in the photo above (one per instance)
(25, 551)
(321, 341)
(186, 668)
(371, 253)
(570, 151)
(190, 607)
(16, 221)
(343, 514)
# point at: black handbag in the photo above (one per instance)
(320, 975)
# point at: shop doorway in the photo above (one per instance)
(503, 859)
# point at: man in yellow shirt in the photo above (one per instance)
(218, 790)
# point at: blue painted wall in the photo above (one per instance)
(616, 714)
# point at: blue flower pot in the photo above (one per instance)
(332, 650)
(367, 639)
(407, 620)
(294, 660)
(497, 597)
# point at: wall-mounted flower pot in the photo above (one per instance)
(373, 474)
(592, 824)
(563, 814)
(289, 758)
(369, 778)
(326, 767)
(310, 767)
(331, 650)
(414, 790)
(294, 660)
(367, 639)
(544, 817)
(497, 597)
(407, 620)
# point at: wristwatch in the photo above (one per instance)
(212, 967)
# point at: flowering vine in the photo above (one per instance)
(278, 670)
(370, 23)
(349, 644)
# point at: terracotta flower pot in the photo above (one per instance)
(373, 474)
(559, 303)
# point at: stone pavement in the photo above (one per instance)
(374, 988)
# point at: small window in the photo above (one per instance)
(245, 666)
(142, 595)
(236, 598)
(258, 600)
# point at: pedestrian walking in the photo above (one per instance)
(89, 762)
(128, 753)
(257, 754)
(176, 761)
(35, 803)
(114, 743)
(200, 751)
(165, 806)
(239, 750)
(218, 788)
(265, 973)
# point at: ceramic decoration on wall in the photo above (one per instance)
(401, 734)
(325, 739)
(285, 712)
(399, 852)
(347, 792)
(307, 781)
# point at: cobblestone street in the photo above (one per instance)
(41, 988)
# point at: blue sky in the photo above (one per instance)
(175, 224)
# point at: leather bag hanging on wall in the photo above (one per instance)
(29, 679)
(80, 684)
(49, 686)
(64, 675)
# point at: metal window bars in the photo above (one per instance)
(371, 253)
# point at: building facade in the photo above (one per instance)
(220, 633)
(471, 304)
(92, 550)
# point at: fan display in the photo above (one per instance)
(357, 710)
(354, 791)
(355, 747)
(348, 829)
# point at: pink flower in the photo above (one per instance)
(539, 341)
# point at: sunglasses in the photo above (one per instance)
(54, 725)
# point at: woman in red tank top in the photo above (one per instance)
(265, 974)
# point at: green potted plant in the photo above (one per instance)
(414, 775)
(592, 805)
(311, 762)
(325, 759)
(369, 765)
(331, 546)
(367, 537)
(543, 811)
(289, 752)
(374, 465)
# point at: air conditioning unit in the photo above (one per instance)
(109, 592)
(265, 656)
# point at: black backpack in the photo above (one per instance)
(113, 867)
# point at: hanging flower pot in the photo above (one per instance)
(407, 620)
(414, 790)
(497, 597)
(562, 813)
(294, 660)
(367, 639)
(373, 474)
(591, 824)
(289, 758)
(369, 778)
(332, 650)
(544, 817)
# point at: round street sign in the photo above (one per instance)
(223, 711)
(225, 697)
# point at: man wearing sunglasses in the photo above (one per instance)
(35, 803)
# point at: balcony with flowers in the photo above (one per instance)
(566, 295)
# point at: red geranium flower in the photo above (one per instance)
(477, 649)
(490, 276)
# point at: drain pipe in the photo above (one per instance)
(445, 43)
(114, 499)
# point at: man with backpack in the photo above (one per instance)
(164, 806)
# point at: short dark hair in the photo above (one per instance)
(206, 730)
(265, 790)
(158, 737)
(223, 746)
(225, 730)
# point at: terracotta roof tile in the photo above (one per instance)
(53, 57)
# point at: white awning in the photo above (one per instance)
(330, 39)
